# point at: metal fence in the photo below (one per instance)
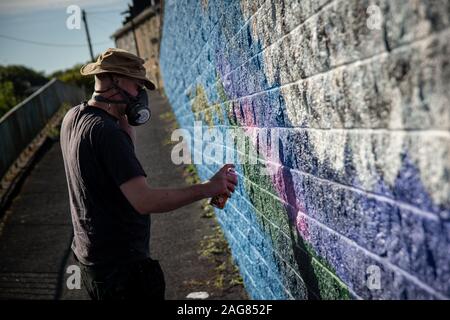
(23, 123)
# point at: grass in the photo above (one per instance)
(215, 248)
(190, 174)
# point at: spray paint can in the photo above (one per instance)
(220, 200)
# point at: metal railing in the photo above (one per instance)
(25, 121)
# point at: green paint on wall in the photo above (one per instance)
(305, 273)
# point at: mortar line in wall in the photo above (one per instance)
(287, 263)
(398, 203)
(259, 52)
(248, 274)
(339, 234)
(323, 8)
(312, 257)
(287, 238)
(284, 203)
(313, 219)
(249, 222)
(278, 229)
(244, 218)
(234, 36)
(232, 39)
(368, 59)
(329, 272)
(253, 247)
(246, 23)
(202, 50)
(319, 11)
(381, 260)
(197, 8)
(263, 49)
(444, 132)
(352, 242)
(261, 257)
(207, 44)
(252, 206)
(252, 283)
(433, 216)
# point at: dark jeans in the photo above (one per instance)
(143, 279)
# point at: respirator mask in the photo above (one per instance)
(137, 110)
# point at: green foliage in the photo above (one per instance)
(190, 174)
(7, 97)
(16, 83)
(215, 248)
(73, 76)
(24, 79)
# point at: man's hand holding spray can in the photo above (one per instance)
(219, 201)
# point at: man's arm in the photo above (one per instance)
(148, 200)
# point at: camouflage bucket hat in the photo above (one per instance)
(121, 62)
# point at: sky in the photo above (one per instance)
(44, 21)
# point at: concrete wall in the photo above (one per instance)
(361, 117)
(147, 29)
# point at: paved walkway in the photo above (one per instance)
(37, 231)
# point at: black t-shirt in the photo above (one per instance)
(98, 157)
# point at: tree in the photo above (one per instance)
(73, 76)
(24, 79)
(16, 83)
(7, 97)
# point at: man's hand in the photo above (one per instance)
(223, 182)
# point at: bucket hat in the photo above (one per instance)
(121, 62)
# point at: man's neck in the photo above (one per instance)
(112, 109)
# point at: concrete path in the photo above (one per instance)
(36, 233)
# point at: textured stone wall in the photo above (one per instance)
(360, 164)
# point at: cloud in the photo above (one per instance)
(8, 7)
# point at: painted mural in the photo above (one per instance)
(350, 196)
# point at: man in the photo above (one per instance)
(110, 200)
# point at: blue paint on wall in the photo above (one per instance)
(396, 227)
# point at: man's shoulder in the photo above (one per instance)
(72, 113)
(89, 116)
(86, 122)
